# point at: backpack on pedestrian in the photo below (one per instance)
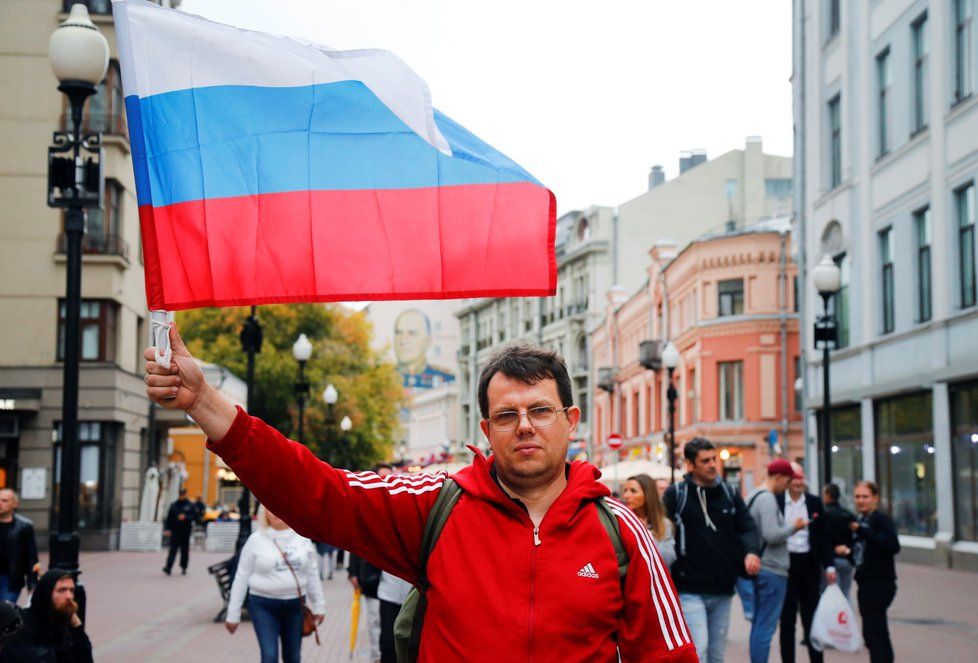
(410, 618)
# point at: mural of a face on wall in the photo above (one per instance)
(412, 339)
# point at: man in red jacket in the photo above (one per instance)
(523, 570)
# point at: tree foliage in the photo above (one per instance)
(370, 392)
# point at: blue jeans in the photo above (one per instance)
(745, 590)
(769, 591)
(843, 570)
(708, 616)
(276, 619)
(7, 594)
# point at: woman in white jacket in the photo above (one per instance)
(273, 596)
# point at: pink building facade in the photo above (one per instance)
(727, 302)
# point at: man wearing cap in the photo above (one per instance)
(771, 583)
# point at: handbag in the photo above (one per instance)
(308, 619)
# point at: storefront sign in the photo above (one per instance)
(8, 404)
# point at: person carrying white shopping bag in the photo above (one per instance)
(834, 625)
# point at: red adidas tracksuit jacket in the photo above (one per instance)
(499, 591)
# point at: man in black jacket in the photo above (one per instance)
(180, 525)
(810, 552)
(18, 549)
(366, 577)
(716, 540)
(838, 521)
(52, 631)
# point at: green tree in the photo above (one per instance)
(370, 391)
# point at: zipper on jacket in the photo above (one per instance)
(533, 592)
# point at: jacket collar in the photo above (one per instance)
(582, 485)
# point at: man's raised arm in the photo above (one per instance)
(381, 520)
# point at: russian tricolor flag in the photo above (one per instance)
(271, 170)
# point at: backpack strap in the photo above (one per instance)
(750, 503)
(447, 498)
(682, 494)
(610, 522)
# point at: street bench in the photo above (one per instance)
(223, 573)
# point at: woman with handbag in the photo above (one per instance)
(279, 571)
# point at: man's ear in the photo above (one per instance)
(573, 417)
(484, 425)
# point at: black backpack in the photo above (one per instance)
(410, 619)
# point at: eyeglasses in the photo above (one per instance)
(544, 415)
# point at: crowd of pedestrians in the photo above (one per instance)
(523, 562)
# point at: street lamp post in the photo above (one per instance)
(827, 278)
(346, 424)
(251, 338)
(670, 360)
(302, 350)
(330, 396)
(79, 56)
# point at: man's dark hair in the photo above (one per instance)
(873, 488)
(528, 364)
(183, 492)
(831, 491)
(379, 466)
(695, 446)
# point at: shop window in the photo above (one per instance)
(847, 450)
(96, 469)
(964, 431)
(905, 462)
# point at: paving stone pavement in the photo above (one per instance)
(136, 613)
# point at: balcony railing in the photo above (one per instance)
(103, 245)
(111, 124)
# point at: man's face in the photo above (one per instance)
(704, 468)
(384, 471)
(7, 502)
(780, 483)
(63, 597)
(411, 338)
(864, 499)
(528, 457)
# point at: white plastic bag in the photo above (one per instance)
(834, 625)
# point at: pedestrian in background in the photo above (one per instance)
(18, 549)
(810, 561)
(838, 522)
(392, 592)
(874, 556)
(716, 540)
(179, 525)
(366, 577)
(641, 495)
(771, 583)
(279, 572)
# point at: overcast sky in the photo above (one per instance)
(585, 95)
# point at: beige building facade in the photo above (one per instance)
(113, 410)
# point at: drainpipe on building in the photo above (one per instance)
(783, 309)
(800, 232)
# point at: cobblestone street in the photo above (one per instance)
(138, 614)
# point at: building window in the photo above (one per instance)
(882, 101)
(839, 306)
(962, 49)
(886, 277)
(731, 379)
(921, 49)
(731, 297)
(778, 188)
(921, 223)
(103, 235)
(964, 210)
(847, 449)
(98, 319)
(835, 142)
(964, 431)
(106, 109)
(96, 440)
(905, 462)
(835, 18)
